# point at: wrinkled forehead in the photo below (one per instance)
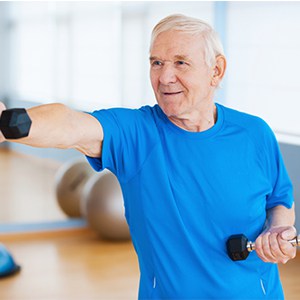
(174, 43)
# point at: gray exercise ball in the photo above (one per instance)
(70, 180)
(103, 207)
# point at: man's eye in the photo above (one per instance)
(156, 63)
(180, 62)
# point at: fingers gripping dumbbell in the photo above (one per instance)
(239, 247)
(15, 123)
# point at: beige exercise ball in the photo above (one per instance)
(102, 206)
(70, 180)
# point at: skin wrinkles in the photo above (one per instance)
(182, 82)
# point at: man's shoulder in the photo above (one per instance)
(244, 120)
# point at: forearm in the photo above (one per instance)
(51, 127)
(57, 126)
(280, 216)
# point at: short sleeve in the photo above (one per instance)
(129, 135)
(282, 189)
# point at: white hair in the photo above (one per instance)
(212, 44)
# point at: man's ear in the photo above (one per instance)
(218, 70)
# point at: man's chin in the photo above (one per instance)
(170, 111)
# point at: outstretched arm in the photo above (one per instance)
(58, 126)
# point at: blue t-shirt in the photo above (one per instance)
(186, 192)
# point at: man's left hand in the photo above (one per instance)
(273, 245)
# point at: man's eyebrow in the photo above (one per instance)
(151, 58)
(181, 57)
(176, 57)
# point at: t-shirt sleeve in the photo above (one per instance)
(282, 189)
(128, 138)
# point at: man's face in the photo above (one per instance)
(180, 78)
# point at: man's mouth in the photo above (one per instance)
(172, 93)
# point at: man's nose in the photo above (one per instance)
(167, 75)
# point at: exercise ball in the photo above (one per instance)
(69, 182)
(102, 206)
(7, 263)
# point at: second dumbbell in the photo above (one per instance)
(239, 247)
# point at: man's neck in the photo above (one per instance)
(197, 120)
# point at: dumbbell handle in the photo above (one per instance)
(295, 242)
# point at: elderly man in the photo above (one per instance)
(192, 172)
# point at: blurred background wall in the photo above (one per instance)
(92, 55)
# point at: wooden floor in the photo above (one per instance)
(71, 264)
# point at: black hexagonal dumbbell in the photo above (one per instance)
(15, 123)
(239, 247)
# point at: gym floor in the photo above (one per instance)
(69, 263)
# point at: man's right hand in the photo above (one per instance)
(2, 107)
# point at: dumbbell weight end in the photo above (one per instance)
(15, 123)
